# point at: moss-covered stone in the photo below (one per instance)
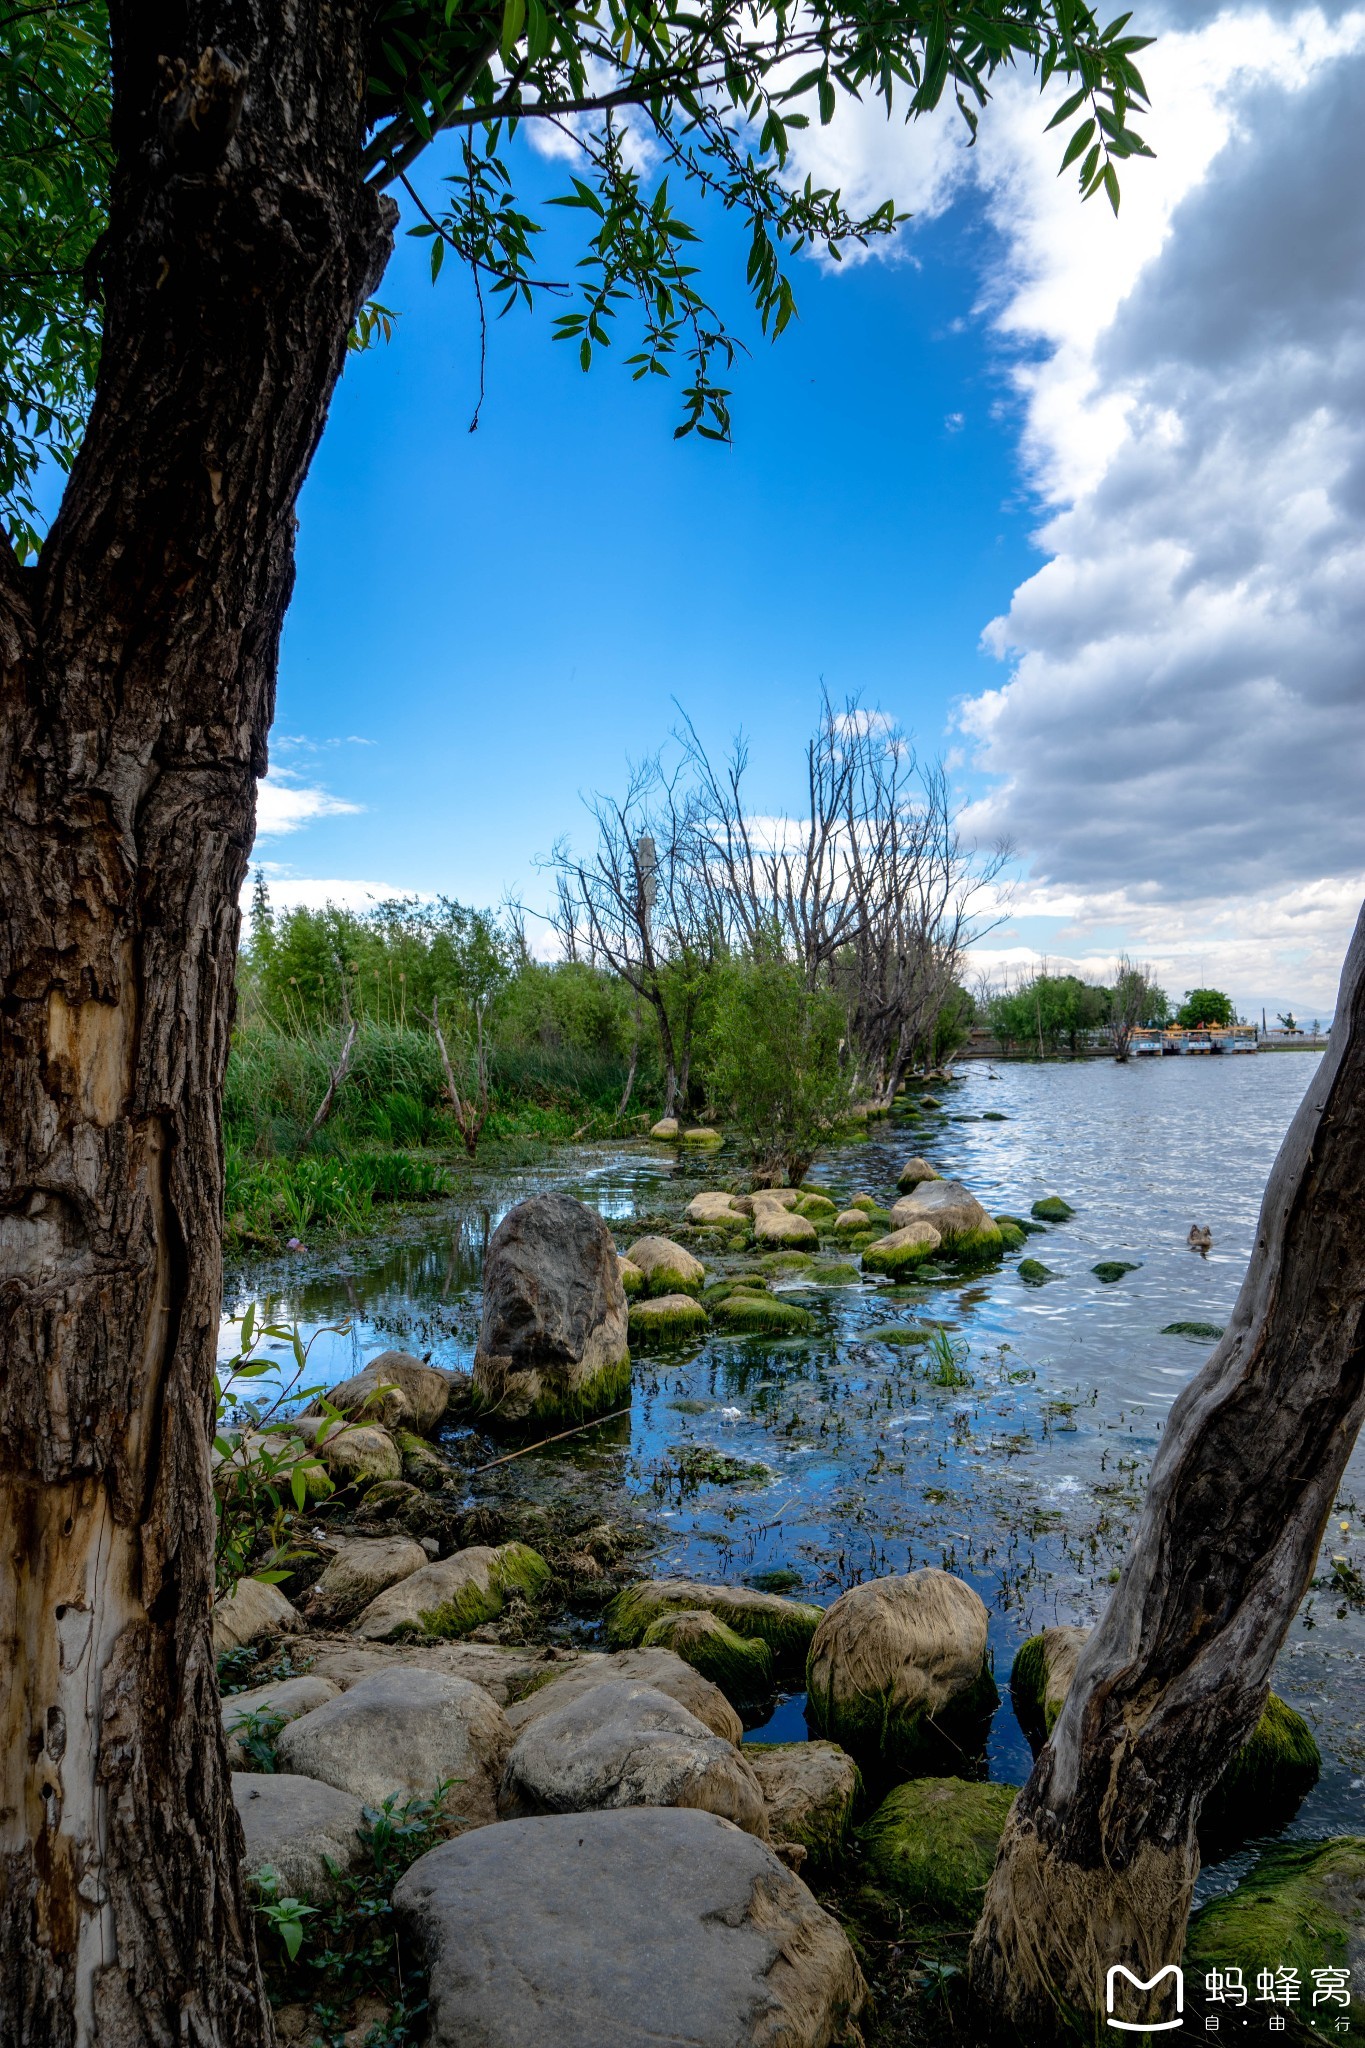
(786, 1626)
(779, 1579)
(1052, 1209)
(816, 1208)
(668, 1268)
(865, 1239)
(1041, 1678)
(931, 1845)
(742, 1666)
(1034, 1273)
(1266, 1782)
(898, 1333)
(1302, 1908)
(1208, 1332)
(1011, 1235)
(1110, 1270)
(669, 1319)
(994, 1116)
(901, 1251)
(810, 1790)
(422, 1466)
(702, 1136)
(632, 1279)
(1024, 1223)
(743, 1283)
(868, 1202)
(458, 1593)
(594, 1393)
(760, 1314)
(834, 1275)
(786, 1262)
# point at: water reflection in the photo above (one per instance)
(1025, 1479)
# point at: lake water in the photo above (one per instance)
(1025, 1481)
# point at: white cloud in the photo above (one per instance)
(298, 892)
(283, 804)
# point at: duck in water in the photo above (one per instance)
(1200, 1239)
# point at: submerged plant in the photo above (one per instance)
(945, 1356)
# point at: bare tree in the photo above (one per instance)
(1099, 1857)
(638, 905)
(470, 1109)
(1128, 1003)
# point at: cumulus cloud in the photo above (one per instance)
(284, 803)
(301, 892)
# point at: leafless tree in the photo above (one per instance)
(1128, 1000)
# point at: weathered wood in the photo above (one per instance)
(137, 673)
(1099, 1858)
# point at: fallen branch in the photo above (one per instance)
(526, 1449)
(328, 1102)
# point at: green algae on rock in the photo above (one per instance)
(810, 1790)
(786, 1626)
(632, 1279)
(1266, 1782)
(742, 1666)
(1040, 1679)
(1052, 1209)
(899, 1673)
(1301, 1908)
(1034, 1273)
(1012, 1234)
(666, 1319)
(1110, 1270)
(755, 1314)
(897, 1333)
(456, 1594)
(901, 1251)
(668, 1268)
(1209, 1332)
(931, 1845)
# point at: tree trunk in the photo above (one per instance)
(1099, 1857)
(137, 667)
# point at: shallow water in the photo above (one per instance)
(1025, 1481)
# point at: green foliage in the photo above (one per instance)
(255, 1734)
(945, 1358)
(331, 1951)
(1205, 1006)
(774, 1062)
(265, 1473)
(55, 164)
(647, 100)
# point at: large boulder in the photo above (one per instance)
(786, 1626)
(931, 1845)
(552, 1343)
(405, 1732)
(713, 1206)
(914, 1173)
(783, 1227)
(262, 1710)
(1301, 1908)
(354, 1453)
(250, 1613)
(809, 1789)
(455, 1594)
(899, 1673)
(1261, 1788)
(662, 1669)
(628, 1745)
(361, 1570)
(609, 1930)
(298, 1828)
(668, 1268)
(902, 1249)
(964, 1226)
(742, 1666)
(395, 1390)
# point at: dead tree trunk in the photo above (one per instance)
(137, 670)
(1099, 1857)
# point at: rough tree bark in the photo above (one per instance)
(137, 669)
(1099, 1858)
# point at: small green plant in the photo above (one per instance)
(286, 1916)
(266, 1474)
(945, 1356)
(254, 1734)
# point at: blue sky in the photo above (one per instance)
(506, 616)
(1075, 500)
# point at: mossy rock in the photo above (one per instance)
(902, 1251)
(810, 1790)
(700, 1135)
(994, 1116)
(667, 1319)
(667, 1266)
(1209, 1332)
(779, 1579)
(1034, 1273)
(898, 1333)
(786, 1262)
(685, 1407)
(931, 1845)
(816, 1208)
(1040, 1679)
(930, 1102)
(445, 1600)
(739, 1283)
(868, 1202)
(786, 1626)
(866, 1238)
(632, 1279)
(1110, 1270)
(1011, 1234)
(599, 1394)
(1052, 1209)
(1024, 1223)
(836, 1275)
(1302, 1907)
(422, 1466)
(1264, 1785)
(761, 1315)
(742, 1666)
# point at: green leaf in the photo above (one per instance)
(1077, 144)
